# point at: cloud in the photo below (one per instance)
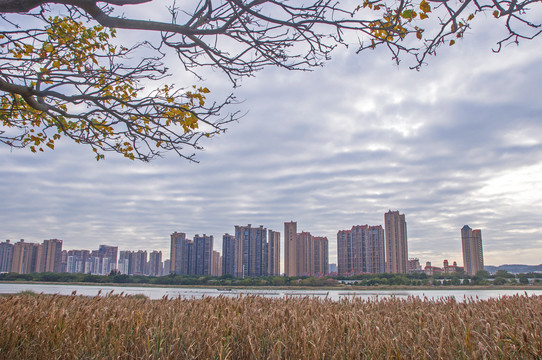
(457, 143)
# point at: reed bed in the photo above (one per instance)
(254, 327)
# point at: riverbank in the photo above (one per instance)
(334, 294)
(323, 288)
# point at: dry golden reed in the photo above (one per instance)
(254, 327)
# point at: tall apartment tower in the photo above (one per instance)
(50, 256)
(76, 261)
(6, 256)
(361, 250)
(473, 255)
(250, 257)
(304, 254)
(178, 256)
(138, 262)
(290, 248)
(25, 257)
(396, 242)
(320, 256)
(191, 257)
(108, 256)
(228, 254)
(124, 262)
(273, 253)
(155, 263)
(203, 255)
(374, 253)
(216, 269)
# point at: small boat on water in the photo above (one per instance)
(224, 289)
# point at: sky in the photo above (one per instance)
(459, 142)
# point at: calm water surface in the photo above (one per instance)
(196, 293)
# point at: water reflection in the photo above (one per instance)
(198, 293)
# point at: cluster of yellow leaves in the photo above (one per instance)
(13, 107)
(180, 113)
(393, 22)
(68, 47)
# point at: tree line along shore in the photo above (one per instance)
(482, 278)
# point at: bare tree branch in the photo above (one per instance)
(65, 75)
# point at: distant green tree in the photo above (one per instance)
(455, 281)
(504, 274)
(482, 274)
(523, 279)
(278, 281)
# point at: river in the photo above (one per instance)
(197, 293)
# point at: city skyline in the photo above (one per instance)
(360, 250)
(458, 142)
(219, 247)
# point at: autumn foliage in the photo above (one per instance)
(63, 74)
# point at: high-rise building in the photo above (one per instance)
(25, 257)
(361, 250)
(179, 259)
(374, 251)
(473, 254)
(138, 263)
(6, 256)
(108, 258)
(304, 254)
(102, 261)
(124, 262)
(321, 256)
(228, 254)
(64, 261)
(396, 242)
(250, 257)
(155, 263)
(167, 267)
(191, 257)
(290, 248)
(76, 261)
(273, 253)
(50, 256)
(216, 269)
(203, 255)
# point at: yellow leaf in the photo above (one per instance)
(496, 13)
(425, 7)
(452, 42)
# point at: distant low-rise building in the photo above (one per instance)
(414, 265)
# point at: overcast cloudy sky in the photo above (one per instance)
(457, 143)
